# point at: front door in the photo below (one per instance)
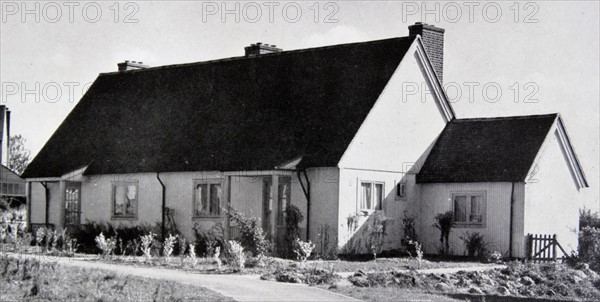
(72, 203)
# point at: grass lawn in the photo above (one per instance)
(32, 280)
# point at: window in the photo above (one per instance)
(284, 192)
(207, 198)
(371, 196)
(125, 199)
(72, 203)
(469, 208)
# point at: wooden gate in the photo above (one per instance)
(543, 248)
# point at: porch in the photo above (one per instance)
(264, 195)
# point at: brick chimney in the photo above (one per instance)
(131, 65)
(260, 49)
(433, 41)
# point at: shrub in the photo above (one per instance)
(192, 255)
(444, 223)
(319, 276)
(147, 242)
(86, 233)
(377, 233)
(293, 218)
(303, 249)
(418, 252)
(588, 219)
(208, 240)
(217, 258)
(409, 227)
(252, 236)
(168, 246)
(589, 246)
(475, 245)
(494, 257)
(107, 246)
(237, 258)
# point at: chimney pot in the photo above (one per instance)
(131, 65)
(259, 49)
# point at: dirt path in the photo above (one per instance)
(238, 287)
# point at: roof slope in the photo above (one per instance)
(486, 149)
(229, 115)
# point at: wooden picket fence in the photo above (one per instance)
(544, 248)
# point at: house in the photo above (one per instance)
(331, 130)
(11, 184)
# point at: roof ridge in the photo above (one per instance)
(512, 117)
(161, 67)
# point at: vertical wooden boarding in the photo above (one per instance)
(544, 245)
(554, 242)
(535, 249)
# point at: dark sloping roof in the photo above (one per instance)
(486, 149)
(229, 115)
(8, 175)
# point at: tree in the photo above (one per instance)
(19, 156)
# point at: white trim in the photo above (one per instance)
(570, 155)
(559, 131)
(440, 96)
(468, 193)
(258, 173)
(373, 183)
(43, 179)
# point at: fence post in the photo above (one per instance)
(554, 247)
(529, 246)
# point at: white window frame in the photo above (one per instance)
(359, 195)
(208, 183)
(126, 183)
(468, 195)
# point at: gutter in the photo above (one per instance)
(510, 235)
(306, 191)
(47, 195)
(163, 207)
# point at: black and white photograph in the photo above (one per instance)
(307, 150)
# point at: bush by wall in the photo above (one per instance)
(127, 235)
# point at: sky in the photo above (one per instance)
(500, 58)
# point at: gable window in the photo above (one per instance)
(125, 199)
(469, 208)
(371, 196)
(207, 198)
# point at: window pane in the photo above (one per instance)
(476, 209)
(131, 199)
(215, 199)
(120, 202)
(365, 199)
(378, 196)
(460, 208)
(201, 202)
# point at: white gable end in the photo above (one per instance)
(406, 119)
